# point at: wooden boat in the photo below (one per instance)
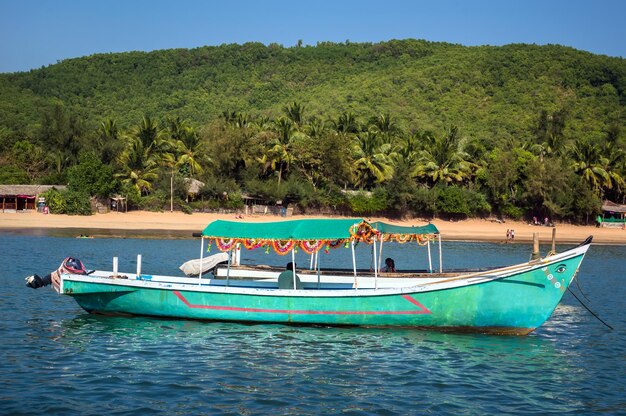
(507, 300)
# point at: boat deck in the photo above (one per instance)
(264, 271)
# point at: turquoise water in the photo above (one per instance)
(56, 359)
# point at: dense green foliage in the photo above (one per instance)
(428, 128)
(67, 202)
(91, 176)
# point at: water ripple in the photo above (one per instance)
(58, 360)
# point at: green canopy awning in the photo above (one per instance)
(298, 230)
(386, 228)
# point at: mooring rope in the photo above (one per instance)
(590, 311)
(581, 290)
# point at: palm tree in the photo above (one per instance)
(346, 123)
(554, 145)
(57, 160)
(316, 128)
(409, 149)
(190, 153)
(107, 129)
(186, 147)
(443, 159)
(372, 159)
(278, 154)
(295, 113)
(108, 141)
(589, 163)
(615, 166)
(385, 126)
(147, 132)
(263, 123)
(243, 121)
(139, 168)
(228, 116)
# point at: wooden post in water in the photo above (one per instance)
(553, 240)
(535, 254)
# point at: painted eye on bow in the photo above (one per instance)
(561, 268)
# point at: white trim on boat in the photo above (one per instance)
(269, 288)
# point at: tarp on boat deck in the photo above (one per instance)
(192, 267)
(295, 230)
(386, 228)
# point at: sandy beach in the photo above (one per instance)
(468, 230)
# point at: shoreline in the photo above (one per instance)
(177, 223)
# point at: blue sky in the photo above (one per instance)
(38, 33)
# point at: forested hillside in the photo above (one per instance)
(430, 128)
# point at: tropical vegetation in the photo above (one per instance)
(395, 128)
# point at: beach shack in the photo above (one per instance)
(118, 204)
(14, 198)
(613, 215)
(261, 206)
(193, 187)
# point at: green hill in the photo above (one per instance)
(483, 90)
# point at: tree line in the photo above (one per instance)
(342, 163)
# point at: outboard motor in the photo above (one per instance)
(35, 281)
(69, 265)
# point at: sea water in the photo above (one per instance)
(56, 359)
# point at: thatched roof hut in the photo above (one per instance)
(193, 186)
(613, 215)
(608, 206)
(22, 197)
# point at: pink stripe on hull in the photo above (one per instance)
(422, 309)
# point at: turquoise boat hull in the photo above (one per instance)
(512, 300)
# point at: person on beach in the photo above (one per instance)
(512, 234)
(508, 235)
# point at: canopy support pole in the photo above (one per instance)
(201, 258)
(375, 268)
(440, 255)
(293, 268)
(312, 259)
(356, 286)
(380, 253)
(317, 266)
(430, 259)
(237, 259)
(138, 266)
(230, 255)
